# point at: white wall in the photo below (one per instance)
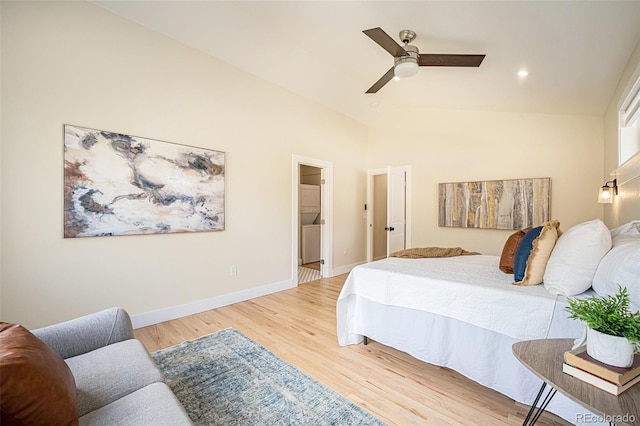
(452, 146)
(626, 205)
(73, 62)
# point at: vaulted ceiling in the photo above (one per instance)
(574, 51)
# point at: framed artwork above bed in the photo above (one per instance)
(494, 204)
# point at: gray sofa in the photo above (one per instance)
(117, 381)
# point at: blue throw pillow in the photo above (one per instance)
(524, 250)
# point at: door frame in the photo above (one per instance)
(326, 213)
(407, 206)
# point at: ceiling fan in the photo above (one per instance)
(407, 58)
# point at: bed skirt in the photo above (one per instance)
(482, 355)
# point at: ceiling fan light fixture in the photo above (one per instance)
(406, 69)
(406, 66)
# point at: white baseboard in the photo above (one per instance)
(344, 269)
(173, 312)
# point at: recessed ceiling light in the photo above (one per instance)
(523, 73)
(396, 78)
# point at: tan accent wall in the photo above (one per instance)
(461, 146)
(73, 62)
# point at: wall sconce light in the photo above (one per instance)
(607, 192)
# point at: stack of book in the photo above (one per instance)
(614, 380)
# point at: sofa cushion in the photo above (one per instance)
(509, 250)
(84, 334)
(152, 405)
(111, 372)
(36, 386)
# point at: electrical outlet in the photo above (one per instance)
(233, 270)
(344, 251)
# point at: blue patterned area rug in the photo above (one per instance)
(225, 378)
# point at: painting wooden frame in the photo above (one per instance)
(117, 184)
(496, 204)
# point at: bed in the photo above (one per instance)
(468, 297)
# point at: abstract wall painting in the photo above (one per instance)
(497, 204)
(116, 184)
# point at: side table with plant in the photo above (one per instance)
(613, 333)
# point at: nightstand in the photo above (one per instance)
(544, 359)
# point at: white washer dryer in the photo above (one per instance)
(310, 243)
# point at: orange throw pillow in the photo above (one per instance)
(510, 249)
(37, 386)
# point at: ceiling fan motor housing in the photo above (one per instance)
(407, 36)
(406, 66)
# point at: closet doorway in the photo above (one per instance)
(388, 211)
(311, 217)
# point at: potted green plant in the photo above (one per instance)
(613, 332)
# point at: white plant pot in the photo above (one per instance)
(612, 350)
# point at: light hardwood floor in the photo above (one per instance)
(299, 325)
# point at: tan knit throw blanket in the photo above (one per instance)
(418, 252)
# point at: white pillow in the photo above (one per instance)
(575, 258)
(629, 228)
(620, 266)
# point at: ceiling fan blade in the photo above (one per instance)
(385, 41)
(383, 80)
(443, 60)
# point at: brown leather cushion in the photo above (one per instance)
(37, 386)
(510, 249)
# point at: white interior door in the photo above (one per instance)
(396, 209)
(324, 271)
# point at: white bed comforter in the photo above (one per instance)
(467, 297)
(467, 288)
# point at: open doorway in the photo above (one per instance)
(310, 223)
(389, 211)
(312, 216)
